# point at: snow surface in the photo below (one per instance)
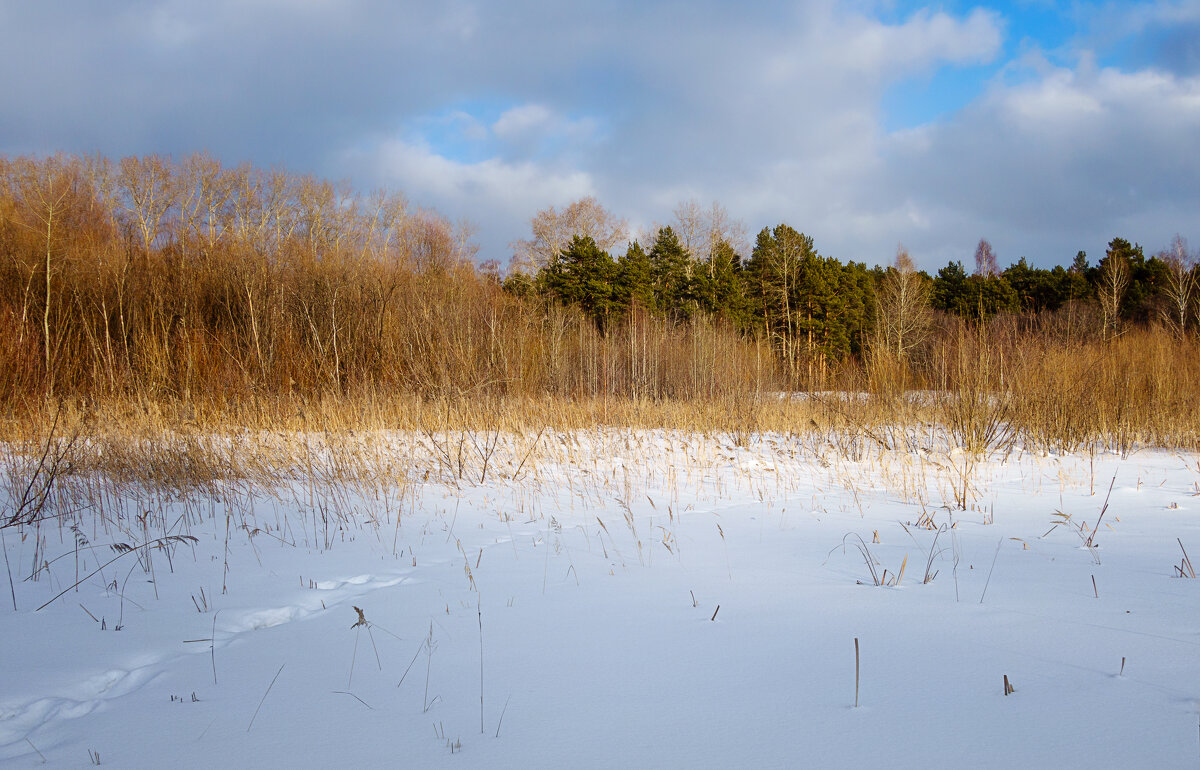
(634, 599)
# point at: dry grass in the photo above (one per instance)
(1139, 390)
(260, 310)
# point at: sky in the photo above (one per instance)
(1045, 127)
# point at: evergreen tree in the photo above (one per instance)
(671, 275)
(974, 296)
(1037, 290)
(771, 277)
(520, 284)
(813, 308)
(820, 309)
(582, 275)
(990, 295)
(860, 315)
(1076, 285)
(718, 284)
(949, 291)
(634, 282)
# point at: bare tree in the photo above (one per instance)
(45, 190)
(1180, 285)
(388, 214)
(204, 199)
(262, 208)
(100, 177)
(985, 259)
(723, 227)
(552, 230)
(903, 304)
(701, 230)
(690, 226)
(149, 190)
(326, 214)
(1114, 280)
(434, 244)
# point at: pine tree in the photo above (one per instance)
(1076, 286)
(633, 284)
(1037, 290)
(671, 272)
(582, 275)
(718, 286)
(814, 309)
(949, 291)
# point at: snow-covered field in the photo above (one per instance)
(618, 598)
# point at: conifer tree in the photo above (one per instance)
(671, 271)
(719, 284)
(949, 291)
(633, 284)
(582, 275)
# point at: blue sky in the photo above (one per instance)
(1045, 127)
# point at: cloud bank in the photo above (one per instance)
(491, 111)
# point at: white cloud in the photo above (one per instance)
(1062, 162)
(508, 185)
(492, 111)
(921, 41)
(518, 122)
(535, 129)
(497, 196)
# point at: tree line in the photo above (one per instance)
(151, 281)
(817, 310)
(187, 280)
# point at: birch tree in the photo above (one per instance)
(1180, 284)
(903, 306)
(985, 259)
(44, 190)
(1114, 280)
(553, 230)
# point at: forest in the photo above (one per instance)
(241, 294)
(817, 308)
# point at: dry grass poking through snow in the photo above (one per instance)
(991, 392)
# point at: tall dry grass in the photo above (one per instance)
(1053, 384)
(201, 288)
(154, 304)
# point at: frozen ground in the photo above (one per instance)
(578, 587)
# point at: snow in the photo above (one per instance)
(640, 598)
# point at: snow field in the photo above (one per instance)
(640, 598)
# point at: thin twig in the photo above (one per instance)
(506, 700)
(411, 663)
(1186, 561)
(479, 613)
(371, 636)
(1103, 510)
(856, 672)
(11, 588)
(517, 473)
(355, 697)
(264, 697)
(35, 748)
(989, 577)
(212, 645)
